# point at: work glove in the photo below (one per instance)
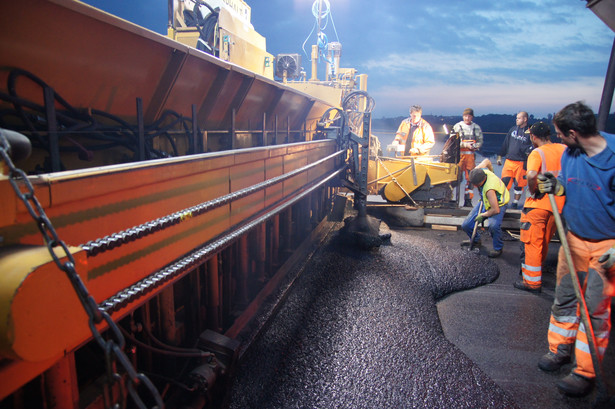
(548, 183)
(499, 160)
(608, 258)
(480, 219)
(467, 144)
(395, 142)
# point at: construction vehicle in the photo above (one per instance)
(420, 181)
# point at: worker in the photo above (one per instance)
(587, 179)
(537, 222)
(471, 140)
(516, 148)
(495, 197)
(415, 133)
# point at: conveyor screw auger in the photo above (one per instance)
(114, 343)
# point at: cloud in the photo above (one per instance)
(452, 66)
(539, 99)
(444, 54)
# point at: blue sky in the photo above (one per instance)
(494, 56)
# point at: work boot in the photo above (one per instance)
(467, 202)
(575, 385)
(495, 253)
(466, 243)
(551, 362)
(521, 285)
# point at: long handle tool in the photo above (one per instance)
(480, 209)
(602, 391)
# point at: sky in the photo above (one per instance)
(497, 57)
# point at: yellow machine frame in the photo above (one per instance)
(397, 178)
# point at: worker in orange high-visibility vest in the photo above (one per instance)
(537, 221)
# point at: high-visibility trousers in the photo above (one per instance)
(537, 229)
(467, 162)
(565, 327)
(513, 170)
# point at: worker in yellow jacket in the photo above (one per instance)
(415, 133)
(494, 197)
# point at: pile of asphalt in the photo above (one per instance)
(360, 329)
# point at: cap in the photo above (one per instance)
(540, 129)
(477, 175)
(468, 111)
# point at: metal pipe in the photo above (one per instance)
(244, 270)
(61, 388)
(226, 305)
(261, 253)
(275, 127)
(233, 130)
(197, 278)
(213, 294)
(52, 129)
(167, 315)
(263, 141)
(275, 240)
(607, 92)
(288, 129)
(194, 140)
(141, 127)
(288, 230)
(314, 76)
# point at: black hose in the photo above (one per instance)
(94, 125)
(160, 351)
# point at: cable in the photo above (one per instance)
(333, 24)
(97, 130)
(306, 40)
(199, 354)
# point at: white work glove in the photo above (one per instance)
(414, 151)
(467, 144)
(608, 258)
(395, 142)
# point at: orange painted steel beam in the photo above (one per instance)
(86, 205)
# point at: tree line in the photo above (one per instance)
(489, 123)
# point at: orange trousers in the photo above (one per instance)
(513, 170)
(565, 327)
(537, 230)
(467, 162)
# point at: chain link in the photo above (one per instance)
(114, 346)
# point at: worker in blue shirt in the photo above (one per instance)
(516, 148)
(587, 179)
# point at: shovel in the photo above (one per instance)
(480, 209)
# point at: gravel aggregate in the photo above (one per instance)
(360, 329)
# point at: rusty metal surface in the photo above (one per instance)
(88, 57)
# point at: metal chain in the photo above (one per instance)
(114, 346)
